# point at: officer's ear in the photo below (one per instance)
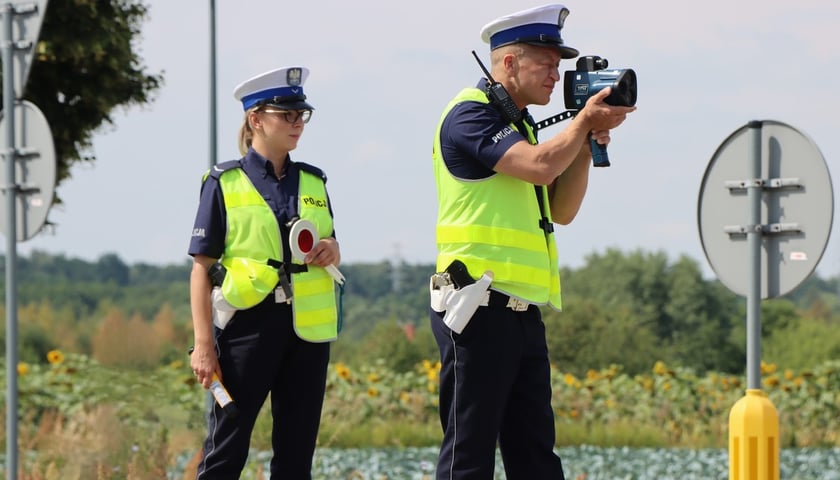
(510, 61)
(254, 119)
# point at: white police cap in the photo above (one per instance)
(281, 88)
(536, 26)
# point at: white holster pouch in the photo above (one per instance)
(222, 310)
(459, 304)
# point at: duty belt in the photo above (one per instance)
(441, 282)
(497, 299)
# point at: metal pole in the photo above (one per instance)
(209, 401)
(11, 246)
(212, 83)
(754, 252)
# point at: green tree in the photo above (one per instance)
(815, 290)
(686, 314)
(802, 344)
(777, 314)
(630, 309)
(637, 281)
(396, 344)
(702, 317)
(86, 64)
(584, 336)
(112, 269)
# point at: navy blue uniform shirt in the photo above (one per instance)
(474, 136)
(210, 228)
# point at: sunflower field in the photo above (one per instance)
(96, 422)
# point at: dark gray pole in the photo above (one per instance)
(212, 83)
(11, 246)
(754, 235)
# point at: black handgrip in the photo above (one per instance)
(459, 274)
(217, 273)
(599, 153)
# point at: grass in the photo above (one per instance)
(380, 433)
(619, 434)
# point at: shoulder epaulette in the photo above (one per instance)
(221, 168)
(313, 170)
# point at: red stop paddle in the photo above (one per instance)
(302, 238)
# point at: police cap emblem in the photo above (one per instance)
(293, 77)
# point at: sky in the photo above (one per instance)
(381, 74)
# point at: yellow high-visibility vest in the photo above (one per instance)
(253, 245)
(494, 224)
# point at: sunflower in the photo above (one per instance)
(55, 357)
(342, 370)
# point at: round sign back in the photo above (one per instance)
(35, 170)
(797, 208)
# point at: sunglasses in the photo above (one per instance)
(292, 116)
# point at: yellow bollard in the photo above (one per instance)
(753, 438)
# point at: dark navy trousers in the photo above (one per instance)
(260, 353)
(495, 387)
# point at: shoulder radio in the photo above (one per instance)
(499, 97)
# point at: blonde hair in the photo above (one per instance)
(516, 49)
(246, 133)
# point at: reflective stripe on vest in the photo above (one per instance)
(253, 237)
(494, 224)
(314, 305)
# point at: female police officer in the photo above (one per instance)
(264, 321)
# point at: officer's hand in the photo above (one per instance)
(600, 136)
(325, 252)
(600, 116)
(205, 363)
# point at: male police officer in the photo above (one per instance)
(499, 195)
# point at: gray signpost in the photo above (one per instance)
(29, 154)
(765, 213)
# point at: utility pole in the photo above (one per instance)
(212, 156)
